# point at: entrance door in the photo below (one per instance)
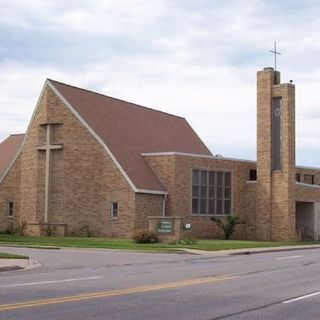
(306, 220)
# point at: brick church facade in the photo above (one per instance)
(91, 160)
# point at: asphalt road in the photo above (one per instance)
(97, 284)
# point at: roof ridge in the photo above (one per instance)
(16, 134)
(104, 95)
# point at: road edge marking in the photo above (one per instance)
(305, 296)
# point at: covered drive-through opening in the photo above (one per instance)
(307, 220)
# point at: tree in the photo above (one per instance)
(228, 224)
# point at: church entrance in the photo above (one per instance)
(307, 220)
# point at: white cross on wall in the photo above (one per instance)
(48, 147)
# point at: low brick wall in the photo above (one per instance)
(168, 229)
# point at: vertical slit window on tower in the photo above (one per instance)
(298, 177)
(211, 192)
(10, 209)
(276, 133)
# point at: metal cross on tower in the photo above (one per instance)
(275, 52)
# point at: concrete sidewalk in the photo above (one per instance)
(232, 252)
(17, 264)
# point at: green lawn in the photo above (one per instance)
(11, 256)
(128, 244)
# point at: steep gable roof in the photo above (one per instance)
(8, 150)
(128, 130)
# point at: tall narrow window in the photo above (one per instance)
(10, 209)
(114, 210)
(276, 133)
(298, 177)
(211, 192)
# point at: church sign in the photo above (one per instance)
(165, 226)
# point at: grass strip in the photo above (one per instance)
(11, 256)
(127, 244)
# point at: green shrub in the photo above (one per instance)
(83, 231)
(86, 231)
(19, 228)
(145, 236)
(11, 229)
(228, 224)
(50, 230)
(22, 228)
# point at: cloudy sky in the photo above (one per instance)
(194, 58)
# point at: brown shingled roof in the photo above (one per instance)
(129, 130)
(8, 149)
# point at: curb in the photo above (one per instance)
(31, 265)
(177, 250)
(217, 253)
(248, 251)
(11, 268)
(272, 250)
(29, 246)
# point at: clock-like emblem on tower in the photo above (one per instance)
(277, 112)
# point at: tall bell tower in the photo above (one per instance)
(275, 215)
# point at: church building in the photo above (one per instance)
(91, 161)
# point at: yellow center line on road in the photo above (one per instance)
(113, 293)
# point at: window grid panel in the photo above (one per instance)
(205, 195)
(227, 179)
(222, 195)
(195, 191)
(211, 192)
(195, 206)
(227, 208)
(195, 177)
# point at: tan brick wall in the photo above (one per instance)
(311, 171)
(32, 169)
(84, 180)
(275, 190)
(9, 191)
(250, 214)
(165, 169)
(147, 205)
(179, 188)
(264, 100)
(283, 183)
(306, 192)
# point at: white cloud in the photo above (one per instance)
(195, 59)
